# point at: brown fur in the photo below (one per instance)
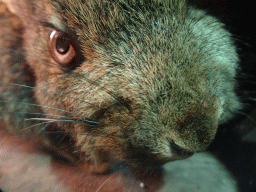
(156, 76)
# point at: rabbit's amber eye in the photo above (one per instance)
(61, 48)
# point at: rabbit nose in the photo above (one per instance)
(179, 153)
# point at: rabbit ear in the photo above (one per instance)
(13, 71)
(7, 17)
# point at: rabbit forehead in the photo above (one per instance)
(100, 19)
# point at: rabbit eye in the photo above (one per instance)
(61, 48)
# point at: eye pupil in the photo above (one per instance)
(61, 48)
(62, 45)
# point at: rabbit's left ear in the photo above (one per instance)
(11, 66)
(8, 21)
(13, 71)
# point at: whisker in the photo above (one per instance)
(43, 128)
(59, 131)
(62, 147)
(247, 116)
(32, 104)
(253, 99)
(52, 120)
(35, 126)
(87, 122)
(39, 114)
(103, 184)
(31, 87)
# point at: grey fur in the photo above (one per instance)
(158, 76)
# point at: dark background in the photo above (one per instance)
(235, 144)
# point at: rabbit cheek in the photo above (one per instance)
(101, 151)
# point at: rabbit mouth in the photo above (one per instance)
(142, 157)
(151, 161)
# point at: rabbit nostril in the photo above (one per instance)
(178, 151)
